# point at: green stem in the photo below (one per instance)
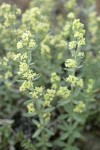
(71, 114)
(41, 120)
(43, 140)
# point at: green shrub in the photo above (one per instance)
(49, 73)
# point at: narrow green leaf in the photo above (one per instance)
(49, 131)
(37, 133)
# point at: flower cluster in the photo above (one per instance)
(47, 116)
(38, 23)
(74, 81)
(72, 45)
(70, 4)
(27, 40)
(55, 79)
(71, 63)
(45, 6)
(9, 15)
(37, 92)
(78, 35)
(45, 49)
(48, 97)
(80, 55)
(79, 107)
(30, 108)
(27, 74)
(9, 24)
(78, 32)
(93, 22)
(90, 86)
(24, 67)
(26, 85)
(63, 92)
(66, 29)
(6, 71)
(71, 15)
(58, 41)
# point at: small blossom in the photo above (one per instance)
(17, 56)
(23, 67)
(37, 92)
(46, 116)
(81, 42)
(81, 54)
(31, 108)
(26, 86)
(75, 81)
(49, 96)
(72, 45)
(23, 56)
(78, 35)
(55, 79)
(32, 43)
(80, 83)
(29, 75)
(63, 92)
(71, 15)
(77, 25)
(8, 74)
(19, 45)
(44, 49)
(26, 35)
(90, 86)
(66, 29)
(72, 79)
(61, 44)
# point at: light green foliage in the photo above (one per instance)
(8, 26)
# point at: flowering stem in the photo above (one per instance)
(71, 113)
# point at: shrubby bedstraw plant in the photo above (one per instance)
(35, 106)
(43, 102)
(76, 83)
(73, 105)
